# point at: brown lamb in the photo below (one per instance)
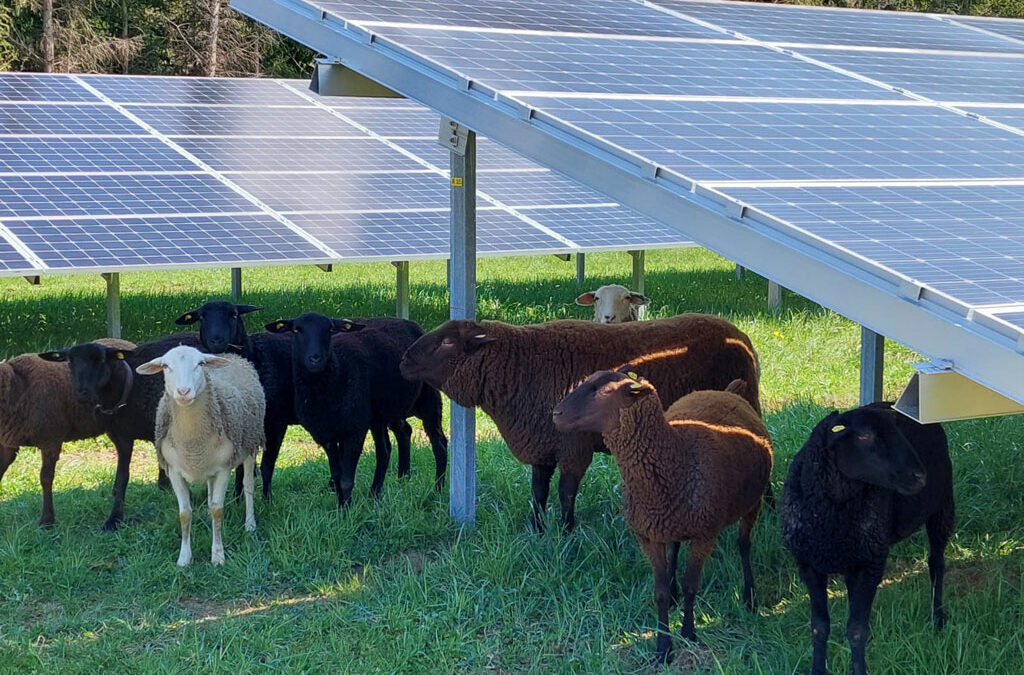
(517, 374)
(39, 408)
(688, 473)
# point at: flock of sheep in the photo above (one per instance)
(675, 400)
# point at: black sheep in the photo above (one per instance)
(865, 479)
(347, 382)
(105, 377)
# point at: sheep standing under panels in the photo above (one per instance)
(688, 473)
(864, 480)
(614, 303)
(209, 421)
(517, 374)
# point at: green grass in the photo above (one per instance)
(395, 587)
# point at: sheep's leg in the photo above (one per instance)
(351, 449)
(699, 552)
(248, 469)
(50, 455)
(541, 480)
(403, 439)
(275, 437)
(333, 452)
(162, 481)
(817, 583)
(672, 550)
(382, 454)
(124, 449)
(216, 488)
(568, 487)
(655, 552)
(939, 527)
(180, 488)
(434, 429)
(239, 481)
(7, 455)
(746, 526)
(860, 587)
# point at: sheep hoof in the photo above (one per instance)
(217, 560)
(692, 638)
(939, 620)
(110, 525)
(184, 561)
(250, 525)
(46, 523)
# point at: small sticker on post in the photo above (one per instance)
(456, 181)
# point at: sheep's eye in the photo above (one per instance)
(234, 315)
(295, 330)
(448, 342)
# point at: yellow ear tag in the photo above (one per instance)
(837, 428)
(632, 375)
(347, 326)
(636, 386)
(280, 324)
(120, 355)
(188, 317)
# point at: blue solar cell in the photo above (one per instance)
(178, 240)
(243, 121)
(69, 120)
(611, 228)
(1011, 116)
(11, 260)
(1015, 318)
(627, 66)
(393, 123)
(291, 154)
(815, 25)
(30, 196)
(49, 154)
(410, 234)
(719, 141)
(967, 241)
(941, 77)
(348, 191)
(544, 188)
(37, 87)
(1011, 28)
(490, 156)
(192, 90)
(584, 16)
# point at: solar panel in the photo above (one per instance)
(99, 154)
(1011, 116)
(736, 140)
(30, 87)
(490, 155)
(35, 119)
(394, 123)
(516, 63)
(192, 90)
(297, 154)
(348, 191)
(1011, 28)
(12, 261)
(536, 189)
(814, 25)
(611, 228)
(243, 121)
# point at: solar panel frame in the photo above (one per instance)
(299, 120)
(79, 119)
(31, 87)
(19, 154)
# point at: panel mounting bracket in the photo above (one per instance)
(937, 393)
(32, 279)
(326, 267)
(452, 136)
(332, 78)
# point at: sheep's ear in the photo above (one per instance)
(57, 356)
(475, 342)
(279, 326)
(586, 299)
(629, 370)
(638, 389)
(151, 367)
(212, 361)
(345, 326)
(738, 387)
(188, 318)
(639, 299)
(836, 432)
(245, 309)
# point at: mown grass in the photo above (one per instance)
(396, 587)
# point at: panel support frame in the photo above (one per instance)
(872, 365)
(581, 268)
(638, 279)
(401, 288)
(236, 285)
(113, 280)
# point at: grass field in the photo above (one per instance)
(395, 587)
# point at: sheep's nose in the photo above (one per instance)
(316, 358)
(607, 318)
(184, 391)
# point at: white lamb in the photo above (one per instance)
(614, 303)
(209, 420)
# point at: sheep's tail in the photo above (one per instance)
(738, 387)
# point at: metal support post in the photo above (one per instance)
(462, 289)
(738, 272)
(638, 279)
(236, 284)
(401, 288)
(113, 280)
(774, 296)
(872, 360)
(581, 268)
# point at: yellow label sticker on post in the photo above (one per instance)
(456, 181)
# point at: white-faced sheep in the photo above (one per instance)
(614, 303)
(517, 374)
(38, 407)
(866, 479)
(209, 420)
(687, 473)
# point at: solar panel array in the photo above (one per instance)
(111, 173)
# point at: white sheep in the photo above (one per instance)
(614, 303)
(209, 420)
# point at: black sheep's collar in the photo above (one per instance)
(129, 380)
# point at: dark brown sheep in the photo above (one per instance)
(518, 373)
(38, 407)
(688, 473)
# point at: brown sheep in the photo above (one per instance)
(517, 374)
(688, 473)
(39, 408)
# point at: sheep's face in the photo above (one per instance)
(613, 303)
(184, 377)
(220, 324)
(311, 337)
(594, 405)
(92, 367)
(435, 356)
(868, 447)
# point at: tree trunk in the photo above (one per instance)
(125, 67)
(211, 45)
(48, 37)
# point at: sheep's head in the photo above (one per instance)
(594, 405)
(311, 337)
(220, 324)
(435, 356)
(868, 447)
(184, 377)
(613, 303)
(92, 366)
